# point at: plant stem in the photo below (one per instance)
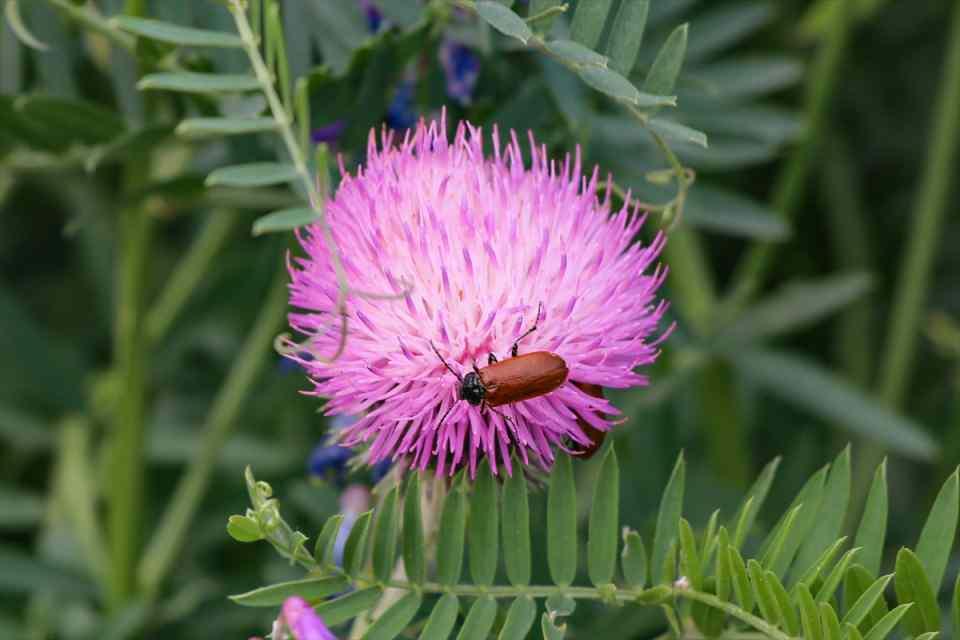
(548, 13)
(190, 272)
(125, 491)
(92, 20)
(165, 546)
(925, 236)
(792, 181)
(285, 122)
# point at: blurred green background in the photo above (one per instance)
(826, 155)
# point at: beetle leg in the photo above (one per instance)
(505, 417)
(515, 349)
(476, 369)
(491, 358)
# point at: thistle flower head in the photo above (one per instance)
(474, 245)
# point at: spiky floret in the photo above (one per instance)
(476, 244)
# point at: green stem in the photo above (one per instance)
(190, 272)
(925, 237)
(791, 183)
(93, 21)
(549, 12)
(166, 544)
(125, 492)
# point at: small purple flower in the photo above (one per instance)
(354, 500)
(328, 133)
(298, 621)
(372, 13)
(401, 114)
(461, 67)
(329, 458)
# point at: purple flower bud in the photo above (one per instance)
(302, 621)
(372, 13)
(328, 133)
(461, 67)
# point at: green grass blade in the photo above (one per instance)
(604, 522)
(393, 621)
(562, 523)
(829, 622)
(873, 524)
(668, 518)
(515, 528)
(453, 522)
(442, 618)
(479, 619)
(385, 537)
(520, 618)
(936, 539)
(809, 614)
(911, 585)
(484, 528)
(413, 560)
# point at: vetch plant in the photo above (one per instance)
(716, 578)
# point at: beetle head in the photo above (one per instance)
(472, 389)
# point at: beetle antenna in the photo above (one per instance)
(459, 377)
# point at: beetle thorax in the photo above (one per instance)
(472, 389)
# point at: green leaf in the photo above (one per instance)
(484, 529)
(255, 174)
(742, 523)
(676, 132)
(520, 618)
(853, 633)
(741, 582)
(604, 519)
(873, 524)
(327, 539)
(19, 27)
(788, 614)
(72, 120)
(865, 603)
(813, 573)
(829, 622)
(634, 560)
(809, 615)
(813, 388)
(129, 145)
(562, 523)
(726, 25)
(198, 128)
(626, 35)
(830, 516)
(690, 562)
(550, 630)
(616, 86)
(588, 21)
(666, 67)
(442, 618)
(479, 619)
(668, 518)
(355, 549)
(832, 581)
(939, 531)
(339, 610)
(393, 621)
(284, 220)
(798, 305)
(912, 586)
(504, 20)
(731, 213)
(413, 560)
(243, 529)
(175, 34)
(308, 589)
(723, 574)
(576, 53)
(955, 608)
(453, 522)
(780, 550)
(189, 82)
(887, 623)
(515, 526)
(763, 593)
(856, 582)
(385, 537)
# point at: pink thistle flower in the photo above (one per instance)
(477, 243)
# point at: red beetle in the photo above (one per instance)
(512, 380)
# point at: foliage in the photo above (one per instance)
(139, 137)
(719, 580)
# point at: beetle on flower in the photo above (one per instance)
(475, 244)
